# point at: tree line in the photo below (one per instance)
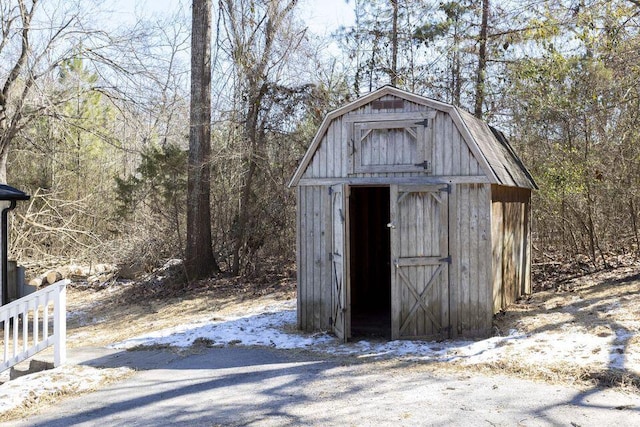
(95, 125)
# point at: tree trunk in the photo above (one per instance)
(482, 60)
(394, 44)
(200, 261)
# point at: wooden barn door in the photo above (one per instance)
(339, 281)
(420, 261)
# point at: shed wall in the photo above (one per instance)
(470, 249)
(511, 251)
(314, 268)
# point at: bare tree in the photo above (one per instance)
(12, 97)
(482, 60)
(258, 50)
(200, 261)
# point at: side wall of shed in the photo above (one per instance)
(470, 249)
(511, 244)
(314, 266)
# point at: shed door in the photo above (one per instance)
(339, 317)
(420, 261)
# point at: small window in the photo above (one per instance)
(392, 146)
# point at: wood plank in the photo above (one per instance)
(390, 117)
(464, 248)
(484, 251)
(439, 145)
(426, 188)
(382, 153)
(300, 279)
(497, 231)
(453, 270)
(519, 249)
(419, 261)
(322, 155)
(527, 258)
(447, 146)
(474, 259)
(325, 315)
(395, 179)
(314, 316)
(343, 149)
(457, 147)
(308, 240)
(443, 229)
(347, 257)
(395, 254)
(509, 250)
(332, 146)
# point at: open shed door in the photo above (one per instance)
(339, 277)
(420, 261)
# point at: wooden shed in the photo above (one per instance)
(413, 221)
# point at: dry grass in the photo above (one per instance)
(103, 315)
(66, 381)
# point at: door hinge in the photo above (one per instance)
(426, 165)
(424, 123)
(447, 189)
(330, 190)
(447, 259)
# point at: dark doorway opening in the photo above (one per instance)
(370, 268)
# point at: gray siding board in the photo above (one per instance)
(314, 269)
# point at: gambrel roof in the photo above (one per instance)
(489, 146)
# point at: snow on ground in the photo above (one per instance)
(275, 326)
(71, 379)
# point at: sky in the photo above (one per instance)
(322, 16)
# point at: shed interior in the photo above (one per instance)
(370, 255)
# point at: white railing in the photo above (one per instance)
(33, 323)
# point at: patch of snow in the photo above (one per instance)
(65, 379)
(275, 326)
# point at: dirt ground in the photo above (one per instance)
(102, 314)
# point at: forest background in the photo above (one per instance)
(94, 117)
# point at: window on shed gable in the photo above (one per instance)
(392, 145)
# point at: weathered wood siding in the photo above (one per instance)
(314, 266)
(420, 247)
(446, 149)
(511, 247)
(470, 249)
(399, 140)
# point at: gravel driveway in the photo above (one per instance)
(262, 387)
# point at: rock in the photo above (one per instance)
(34, 366)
